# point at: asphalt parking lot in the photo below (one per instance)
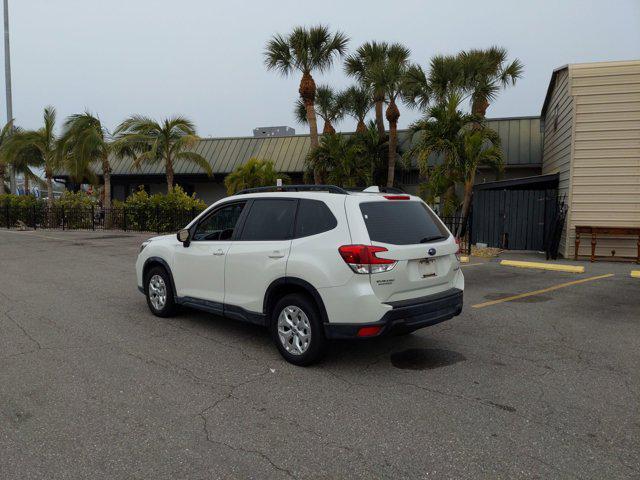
(93, 386)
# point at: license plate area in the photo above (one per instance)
(427, 268)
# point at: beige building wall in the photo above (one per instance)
(605, 171)
(556, 150)
(592, 138)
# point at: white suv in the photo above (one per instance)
(311, 263)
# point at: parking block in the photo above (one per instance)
(556, 267)
(635, 273)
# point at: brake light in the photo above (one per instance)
(369, 331)
(363, 259)
(397, 197)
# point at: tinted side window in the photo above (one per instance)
(401, 223)
(270, 219)
(220, 224)
(314, 217)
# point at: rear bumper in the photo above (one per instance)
(406, 315)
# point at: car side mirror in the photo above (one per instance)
(184, 236)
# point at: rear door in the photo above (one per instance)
(416, 238)
(259, 255)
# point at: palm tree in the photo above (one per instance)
(358, 64)
(5, 134)
(254, 173)
(328, 106)
(43, 140)
(389, 76)
(485, 73)
(479, 146)
(168, 141)
(461, 141)
(86, 142)
(306, 50)
(445, 77)
(356, 102)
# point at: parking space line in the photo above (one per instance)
(538, 292)
(30, 233)
(472, 264)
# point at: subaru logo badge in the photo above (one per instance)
(432, 251)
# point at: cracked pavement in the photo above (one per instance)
(93, 386)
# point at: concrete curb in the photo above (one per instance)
(543, 266)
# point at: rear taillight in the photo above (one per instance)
(363, 259)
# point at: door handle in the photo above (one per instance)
(276, 254)
(218, 252)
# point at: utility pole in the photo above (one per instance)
(7, 81)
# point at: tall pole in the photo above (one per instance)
(7, 81)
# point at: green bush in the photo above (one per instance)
(77, 210)
(158, 212)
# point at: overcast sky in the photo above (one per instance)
(203, 58)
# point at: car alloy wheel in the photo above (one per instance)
(294, 330)
(157, 292)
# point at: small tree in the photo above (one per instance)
(341, 160)
(254, 173)
(328, 106)
(356, 102)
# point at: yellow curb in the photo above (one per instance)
(544, 266)
(464, 259)
(635, 273)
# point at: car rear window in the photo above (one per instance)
(401, 222)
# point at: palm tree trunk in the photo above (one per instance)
(328, 128)
(106, 173)
(380, 119)
(27, 187)
(393, 142)
(307, 93)
(361, 128)
(49, 189)
(466, 205)
(313, 133)
(1, 183)
(169, 176)
(392, 114)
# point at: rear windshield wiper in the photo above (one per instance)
(432, 238)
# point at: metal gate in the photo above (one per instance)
(516, 219)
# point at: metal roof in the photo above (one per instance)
(521, 143)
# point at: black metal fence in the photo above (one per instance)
(461, 231)
(140, 219)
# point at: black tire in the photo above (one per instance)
(317, 343)
(169, 308)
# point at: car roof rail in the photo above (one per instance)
(295, 188)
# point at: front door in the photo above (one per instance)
(198, 269)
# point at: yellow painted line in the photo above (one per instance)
(30, 233)
(556, 267)
(472, 264)
(635, 273)
(464, 259)
(538, 292)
